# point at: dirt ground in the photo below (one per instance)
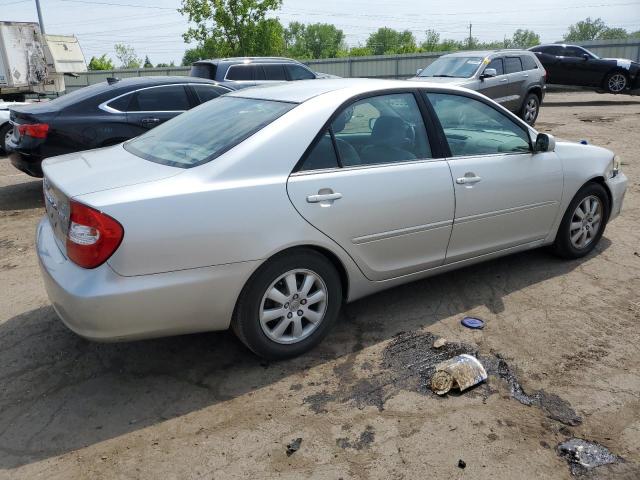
(202, 406)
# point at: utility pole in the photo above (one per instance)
(470, 37)
(40, 17)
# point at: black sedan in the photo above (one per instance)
(100, 115)
(574, 65)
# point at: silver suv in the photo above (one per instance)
(513, 78)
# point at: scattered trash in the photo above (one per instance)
(472, 322)
(463, 371)
(294, 446)
(462, 464)
(583, 455)
(439, 343)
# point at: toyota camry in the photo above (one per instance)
(266, 209)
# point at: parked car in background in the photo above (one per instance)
(575, 65)
(100, 115)
(5, 126)
(249, 71)
(267, 208)
(513, 78)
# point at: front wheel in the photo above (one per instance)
(530, 109)
(288, 305)
(583, 223)
(615, 82)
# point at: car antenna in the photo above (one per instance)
(112, 80)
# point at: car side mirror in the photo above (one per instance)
(419, 71)
(544, 143)
(488, 73)
(586, 56)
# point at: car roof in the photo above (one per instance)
(157, 80)
(486, 53)
(303, 90)
(217, 61)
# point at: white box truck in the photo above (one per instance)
(34, 63)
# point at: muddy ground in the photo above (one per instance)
(565, 334)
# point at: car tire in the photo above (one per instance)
(5, 131)
(530, 109)
(276, 321)
(616, 82)
(577, 235)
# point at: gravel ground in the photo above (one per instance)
(561, 345)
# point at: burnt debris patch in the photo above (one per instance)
(365, 439)
(583, 455)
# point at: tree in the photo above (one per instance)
(234, 27)
(316, 40)
(386, 41)
(586, 29)
(431, 41)
(101, 63)
(524, 39)
(360, 51)
(147, 62)
(127, 56)
(613, 33)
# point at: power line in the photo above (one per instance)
(154, 7)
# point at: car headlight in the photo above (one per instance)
(614, 167)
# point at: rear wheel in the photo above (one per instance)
(530, 109)
(5, 132)
(583, 223)
(616, 82)
(288, 305)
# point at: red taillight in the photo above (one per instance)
(546, 75)
(34, 130)
(92, 236)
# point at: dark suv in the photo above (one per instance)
(100, 115)
(247, 71)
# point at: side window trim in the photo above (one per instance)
(450, 156)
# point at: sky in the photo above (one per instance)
(154, 27)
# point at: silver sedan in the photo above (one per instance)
(266, 209)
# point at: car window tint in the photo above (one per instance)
(573, 52)
(381, 129)
(528, 62)
(122, 103)
(298, 72)
(474, 128)
(240, 72)
(172, 98)
(208, 92)
(512, 64)
(274, 72)
(323, 155)
(207, 131)
(497, 64)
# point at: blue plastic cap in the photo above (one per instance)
(584, 142)
(472, 322)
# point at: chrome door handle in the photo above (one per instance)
(525, 75)
(503, 80)
(324, 197)
(150, 121)
(468, 180)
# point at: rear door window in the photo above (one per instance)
(512, 64)
(245, 73)
(274, 72)
(208, 92)
(298, 72)
(572, 52)
(322, 156)
(171, 98)
(497, 64)
(121, 104)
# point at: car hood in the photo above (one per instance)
(622, 62)
(459, 82)
(102, 169)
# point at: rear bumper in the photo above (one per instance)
(618, 186)
(29, 164)
(101, 305)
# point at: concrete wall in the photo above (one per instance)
(381, 66)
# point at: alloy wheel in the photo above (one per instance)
(617, 82)
(531, 110)
(293, 306)
(586, 222)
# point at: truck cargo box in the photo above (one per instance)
(22, 56)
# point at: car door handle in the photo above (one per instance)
(324, 197)
(504, 80)
(150, 121)
(470, 180)
(525, 74)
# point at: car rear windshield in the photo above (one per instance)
(455, 67)
(206, 132)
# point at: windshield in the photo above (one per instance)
(455, 67)
(206, 132)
